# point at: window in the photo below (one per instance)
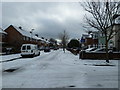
(24, 38)
(3, 36)
(28, 48)
(24, 47)
(27, 38)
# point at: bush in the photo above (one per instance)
(74, 43)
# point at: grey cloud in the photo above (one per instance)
(48, 18)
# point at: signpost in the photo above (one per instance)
(82, 42)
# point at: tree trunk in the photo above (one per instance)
(64, 49)
(107, 58)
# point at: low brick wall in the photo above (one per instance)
(84, 55)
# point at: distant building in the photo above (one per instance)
(90, 39)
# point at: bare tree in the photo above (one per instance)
(64, 37)
(103, 15)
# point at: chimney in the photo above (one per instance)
(20, 27)
(36, 35)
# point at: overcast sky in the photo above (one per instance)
(48, 19)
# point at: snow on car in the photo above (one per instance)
(90, 49)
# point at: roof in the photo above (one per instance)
(22, 31)
(85, 36)
(2, 31)
(26, 33)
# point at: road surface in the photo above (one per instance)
(57, 69)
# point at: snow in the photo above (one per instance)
(26, 33)
(57, 69)
(23, 32)
(1, 31)
(8, 57)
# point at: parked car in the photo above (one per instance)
(55, 48)
(90, 49)
(41, 48)
(102, 50)
(29, 50)
(47, 49)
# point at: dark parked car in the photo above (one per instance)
(56, 48)
(47, 49)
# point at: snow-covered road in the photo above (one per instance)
(57, 69)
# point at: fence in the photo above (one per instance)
(91, 55)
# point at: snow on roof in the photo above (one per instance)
(43, 40)
(47, 42)
(35, 37)
(23, 32)
(85, 35)
(2, 31)
(26, 33)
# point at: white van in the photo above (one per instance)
(29, 50)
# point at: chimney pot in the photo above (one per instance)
(20, 27)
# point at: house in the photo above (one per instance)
(18, 36)
(90, 39)
(3, 35)
(115, 41)
(116, 38)
(3, 40)
(101, 39)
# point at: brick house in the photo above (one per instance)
(3, 40)
(18, 36)
(3, 35)
(90, 40)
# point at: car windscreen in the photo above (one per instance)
(28, 48)
(24, 47)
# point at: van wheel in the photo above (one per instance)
(22, 56)
(39, 54)
(32, 55)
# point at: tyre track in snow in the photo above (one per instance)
(25, 63)
(45, 62)
(42, 64)
(11, 60)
